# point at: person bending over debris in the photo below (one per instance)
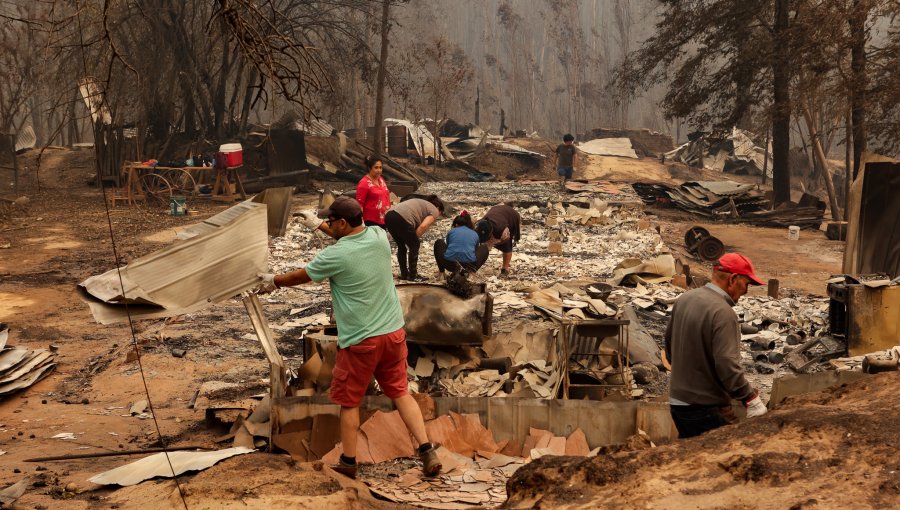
(461, 248)
(407, 222)
(565, 159)
(371, 338)
(372, 194)
(500, 228)
(703, 345)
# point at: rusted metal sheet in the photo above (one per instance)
(787, 386)
(873, 235)
(873, 319)
(278, 208)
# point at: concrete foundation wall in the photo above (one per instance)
(603, 423)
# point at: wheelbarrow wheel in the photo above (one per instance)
(710, 249)
(694, 234)
(157, 188)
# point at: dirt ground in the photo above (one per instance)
(834, 449)
(62, 237)
(800, 266)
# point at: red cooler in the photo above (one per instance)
(233, 154)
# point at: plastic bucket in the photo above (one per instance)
(794, 233)
(177, 206)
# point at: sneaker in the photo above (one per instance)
(417, 278)
(504, 273)
(431, 465)
(403, 276)
(348, 470)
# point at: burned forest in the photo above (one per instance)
(435, 254)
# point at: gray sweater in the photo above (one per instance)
(703, 345)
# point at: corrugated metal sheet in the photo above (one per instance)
(317, 127)
(609, 147)
(422, 138)
(26, 139)
(93, 99)
(209, 262)
(510, 148)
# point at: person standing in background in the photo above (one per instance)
(372, 194)
(565, 160)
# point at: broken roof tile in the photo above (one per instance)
(576, 443)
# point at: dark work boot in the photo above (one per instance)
(431, 465)
(413, 263)
(345, 468)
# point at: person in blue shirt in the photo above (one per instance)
(461, 248)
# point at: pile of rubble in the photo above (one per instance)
(735, 153)
(583, 256)
(470, 481)
(475, 466)
(732, 201)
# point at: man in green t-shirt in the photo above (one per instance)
(371, 338)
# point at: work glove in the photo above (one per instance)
(310, 220)
(755, 407)
(267, 285)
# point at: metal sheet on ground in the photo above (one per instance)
(157, 465)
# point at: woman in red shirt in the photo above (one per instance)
(372, 194)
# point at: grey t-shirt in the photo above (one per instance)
(415, 210)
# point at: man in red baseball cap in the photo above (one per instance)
(703, 341)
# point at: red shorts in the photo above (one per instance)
(383, 356)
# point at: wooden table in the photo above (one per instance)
(222, 189)
(161, 182)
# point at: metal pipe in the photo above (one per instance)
(114, 454)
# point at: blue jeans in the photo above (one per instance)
(695, 420)
(564, 171)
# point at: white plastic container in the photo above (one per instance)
(794, 233)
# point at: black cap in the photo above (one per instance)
(343, 207)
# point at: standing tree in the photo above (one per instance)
(712, 55)
(781, 103)
(435, 79)
(382, 69)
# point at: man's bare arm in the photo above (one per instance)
(292, 278)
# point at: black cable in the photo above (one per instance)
(134, 342)
(137, 349)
